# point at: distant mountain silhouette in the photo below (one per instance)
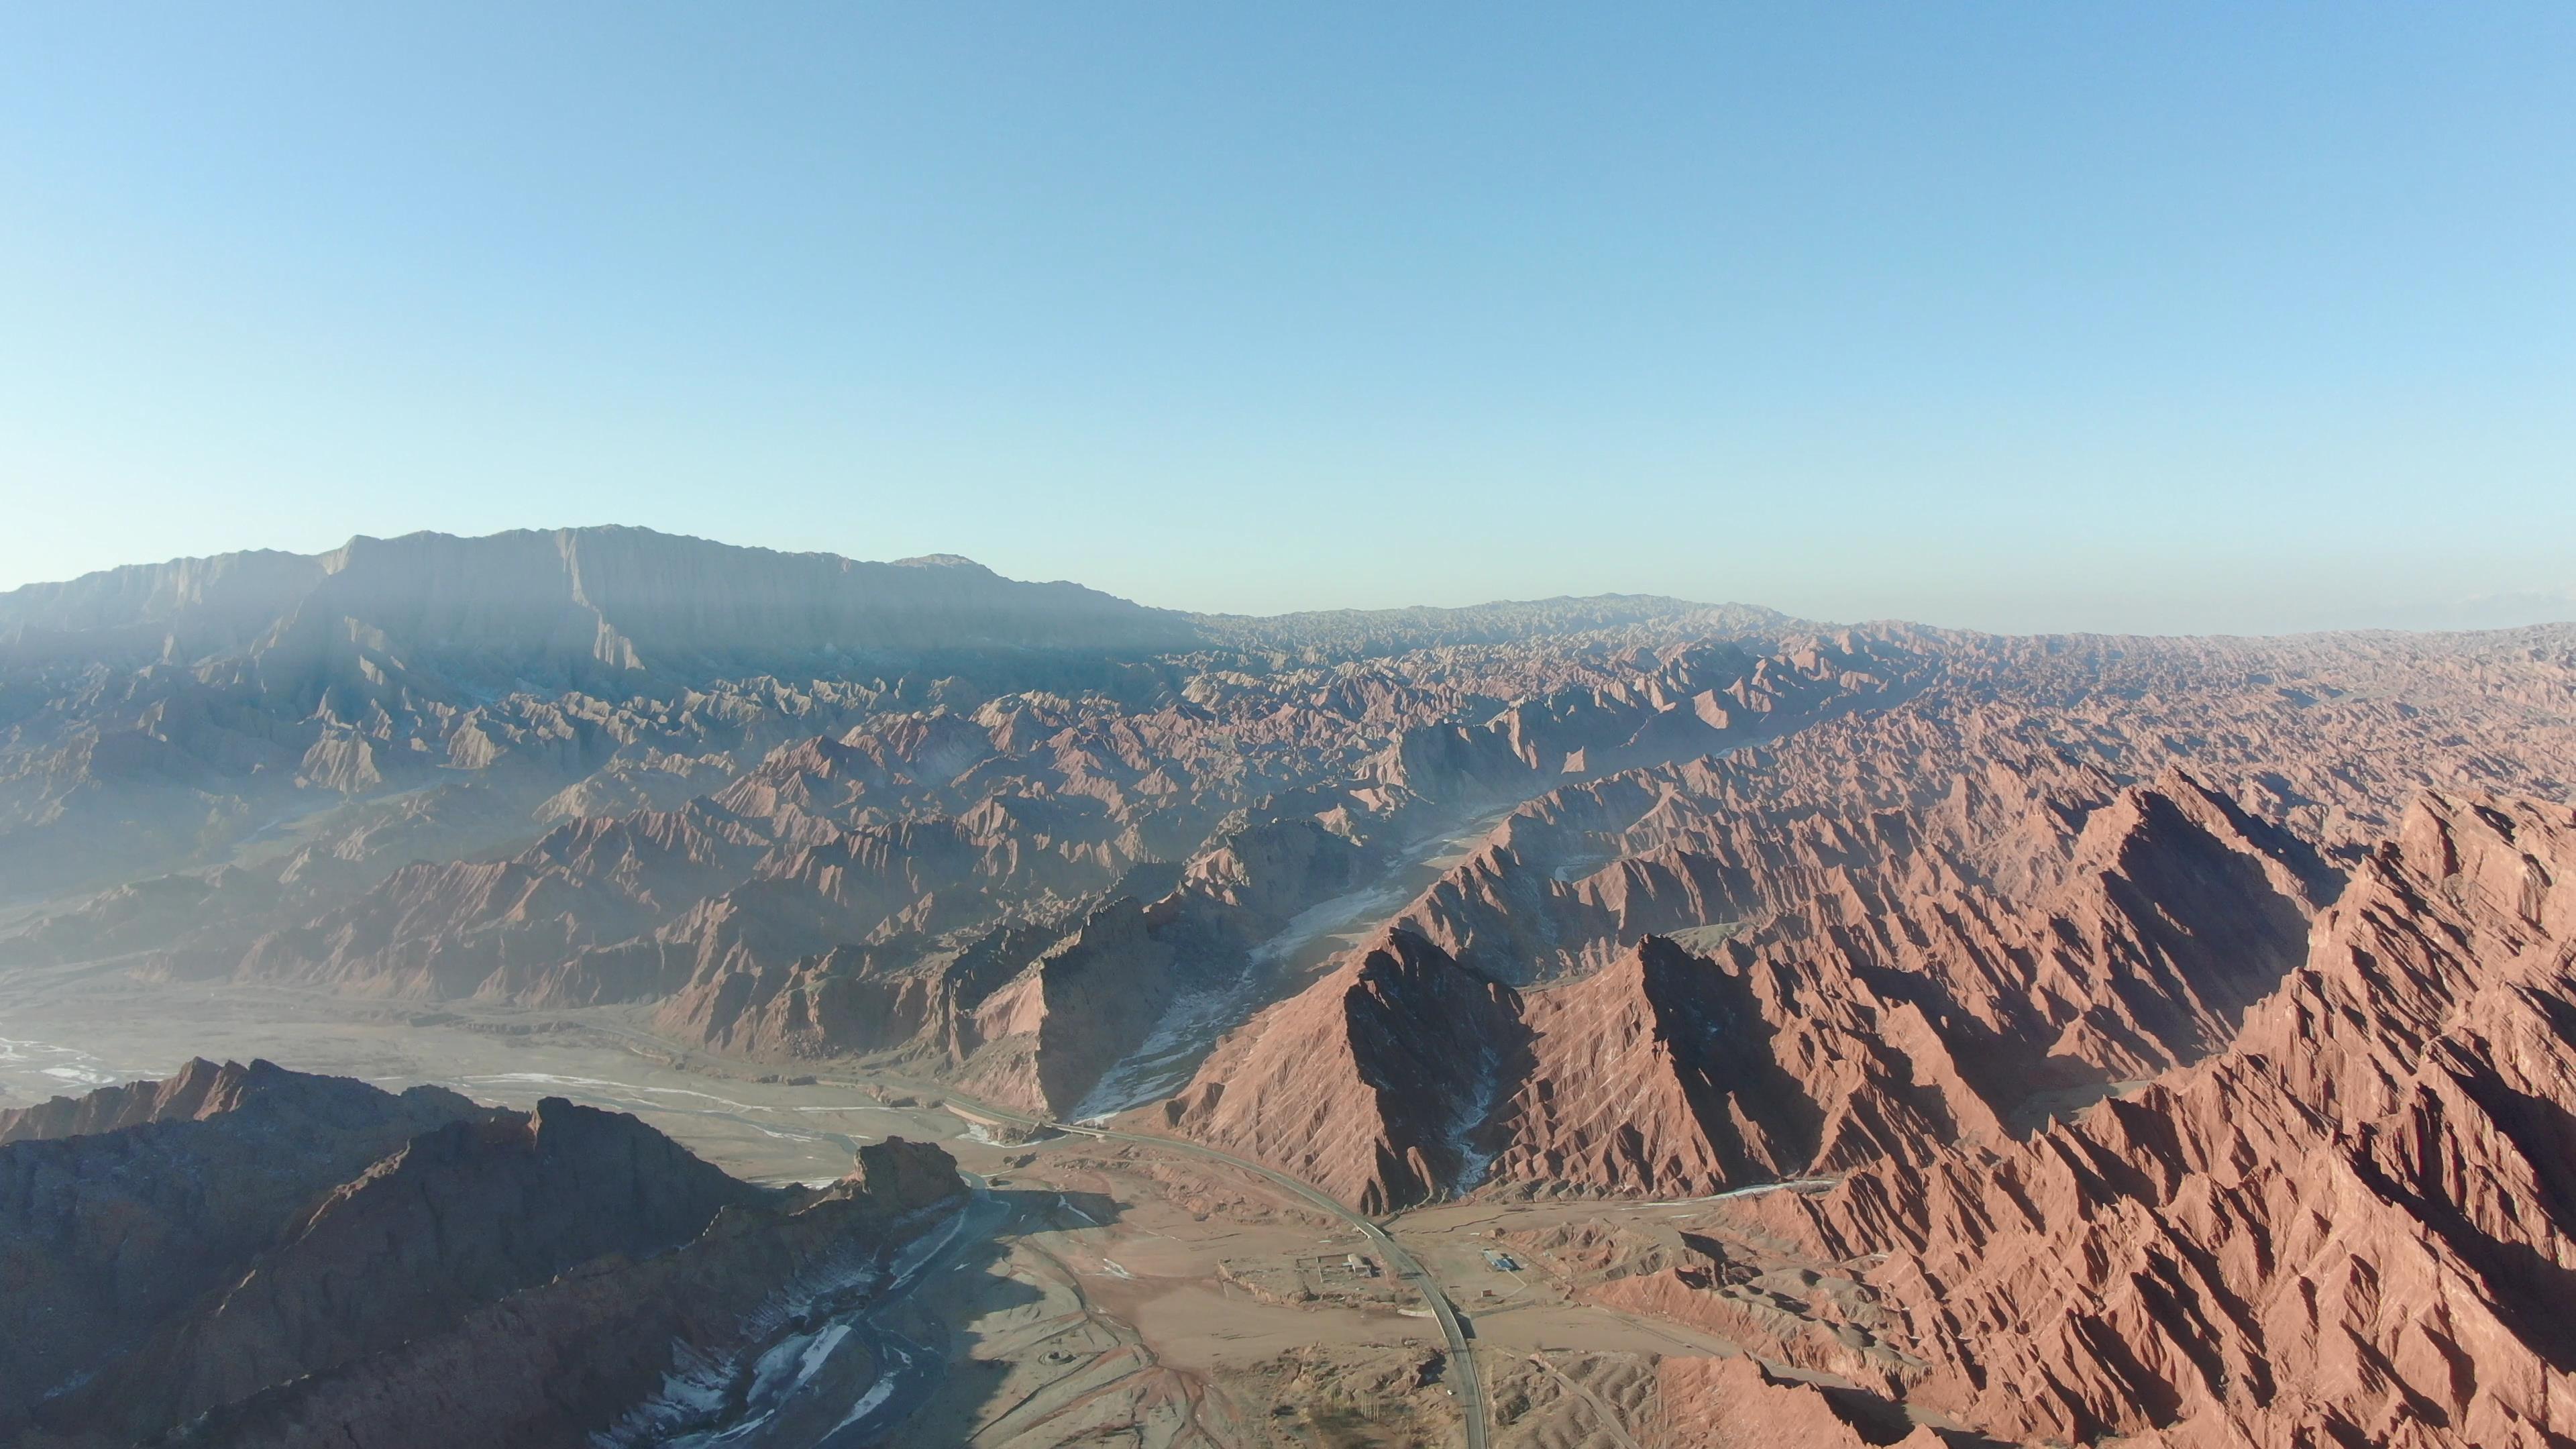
(604, 608)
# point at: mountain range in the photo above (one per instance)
(2154, 1040)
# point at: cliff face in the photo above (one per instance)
(1667, 1074)
(2352, 1226)
(1405, 1076)
(280, 1240)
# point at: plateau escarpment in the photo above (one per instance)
(157, 713)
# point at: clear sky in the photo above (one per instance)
(2158, 316)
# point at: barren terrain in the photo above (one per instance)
(1615, 1022)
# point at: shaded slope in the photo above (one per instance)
(1906, 1004)
(2352, 1227)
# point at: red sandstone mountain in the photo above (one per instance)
(823, 902)
(198, 1090)
(1760, 902)
(2350, 1227)
(1369, 1084)
(1908, 1001)
(1019, 871)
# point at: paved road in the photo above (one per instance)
(1470, 1388)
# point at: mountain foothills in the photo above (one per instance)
(2095, 1039)
(253, 1255)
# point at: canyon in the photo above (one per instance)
(1847, 1034)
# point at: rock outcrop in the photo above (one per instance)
(273, 1239)
(2349, 1227)
(586, 1359)
(198, 1090)
(105, 1237)
(1372, 1083)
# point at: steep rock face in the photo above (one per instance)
(1404, 1076)
(1669, 1074)
(182, 609)
(2138, 945)
(105, 1236)
(1370, 1084)
(1907, 801)
(858, 999)
(2063, 929)
(1085, 1001)
(2351, 1227)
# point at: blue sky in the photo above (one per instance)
(2041, 316)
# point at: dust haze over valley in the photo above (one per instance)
(1613, 1021)
(1287, 727)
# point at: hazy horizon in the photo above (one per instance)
(2500, 612)
(2183, 320)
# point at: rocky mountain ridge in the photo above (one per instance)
(2344, 1229)
(2115, 1037)
(269, 1239)
(855, 893)
(1859, 986)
